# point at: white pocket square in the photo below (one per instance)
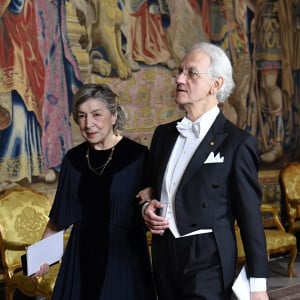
(212, 159)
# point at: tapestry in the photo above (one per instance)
(38, 77)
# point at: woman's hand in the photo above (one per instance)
(145, 195)
(44, 269)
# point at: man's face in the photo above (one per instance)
(193, 81)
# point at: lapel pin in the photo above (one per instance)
(211, 143)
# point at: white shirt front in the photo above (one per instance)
(181, 155)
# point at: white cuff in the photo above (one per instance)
(145, 205)
(258, 284)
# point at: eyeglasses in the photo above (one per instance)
(191, 73)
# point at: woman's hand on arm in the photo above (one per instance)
(145, 195)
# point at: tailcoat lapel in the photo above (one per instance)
(166, 147)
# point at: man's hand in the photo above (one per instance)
(259, 296)
(155, 223)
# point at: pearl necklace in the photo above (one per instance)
(99, 170)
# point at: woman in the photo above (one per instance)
(106, 256)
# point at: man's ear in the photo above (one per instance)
(218, 82)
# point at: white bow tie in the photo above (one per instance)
(188, 129)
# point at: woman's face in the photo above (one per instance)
(96, 123)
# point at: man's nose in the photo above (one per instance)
(181, 78)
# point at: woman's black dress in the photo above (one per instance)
(106, 257)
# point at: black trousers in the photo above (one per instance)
(187, 268)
